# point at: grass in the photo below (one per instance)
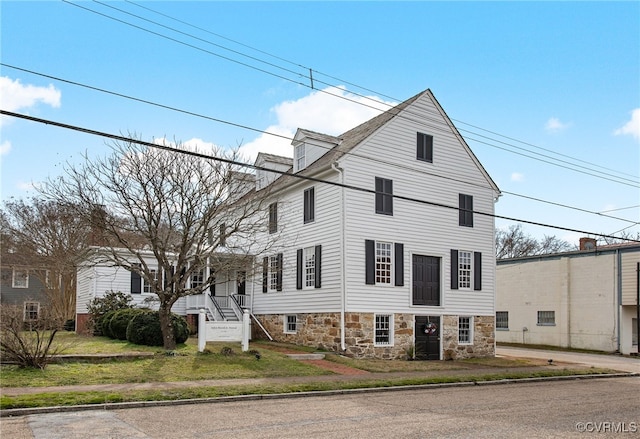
(187, 364)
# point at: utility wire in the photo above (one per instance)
(301, 177)
(403, 167)
(351, 100)
(337, 79)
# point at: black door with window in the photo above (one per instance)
(427, 337)
(426, 280)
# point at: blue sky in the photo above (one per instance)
(559, 79)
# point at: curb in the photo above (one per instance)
(317, 393)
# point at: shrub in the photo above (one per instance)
(144, 329)
(112, 301)
(120, 320)
(104, 323)
(69, 325)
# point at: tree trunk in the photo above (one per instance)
(166, 326)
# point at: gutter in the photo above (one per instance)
(343, 278)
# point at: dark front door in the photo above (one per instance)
(427, 337)
(426, 280)
(242, 282)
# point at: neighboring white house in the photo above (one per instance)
(381, 243)
(583, 299)
(384, 246)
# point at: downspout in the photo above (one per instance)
(618, 302)
(343, 280)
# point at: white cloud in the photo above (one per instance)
(517, 176)
(554, 125)
(632, 127)
(5, 147)
(16, 96)
(329, 111)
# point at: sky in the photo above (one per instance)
(546, 94)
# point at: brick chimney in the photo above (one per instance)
(587, 244)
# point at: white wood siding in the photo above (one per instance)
(293, 234)
(84, 289)
(423, 229)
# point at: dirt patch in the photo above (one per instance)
(340, 369)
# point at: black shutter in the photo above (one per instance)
(477, 271)
(265, 274)
(454, 269)
(299, 269)
(279, 273)
(399, 264)
(379, 195)
(388, 188)
(212, 287)
(136, 282)
(318, 266)
(370, 261)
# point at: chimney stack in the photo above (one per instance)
(587, 244)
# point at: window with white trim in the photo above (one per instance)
(300, 153)
(546, 318)
(197, 278)
(273, 217)
(502, 319)
(383, 335)
(309, 208)
(273, 273)
(309, 261)
(146, 286)
(465, 329)
(464, 269)
(383, 262)
(384, 196)
(291, 324)
(31, 311)
(20, 278)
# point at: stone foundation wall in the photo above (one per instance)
(483, 338)
(323, 331)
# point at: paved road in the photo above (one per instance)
(617, 362)
(550, 409)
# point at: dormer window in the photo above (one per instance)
(300, 157)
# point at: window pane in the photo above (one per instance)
(464, 330)
(383, 329)
(383, 262)
(273, 273)
(384, 196)
(546, 318)
(310, 267)
(464, 269)
(502, 320)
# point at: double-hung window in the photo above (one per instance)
(300, 153)
(273, 217)
(197, 278)
(31, 311)
(146, 286)
(546, 318)
(383, 263)
(465, 329)
(465, 210)
(383, 332)
(424, 148)
(20, 278)
(384, 196)
(309, 205)
(502, 319)
(308, 263)
(291, 324)
(272, 273)
(466, 270)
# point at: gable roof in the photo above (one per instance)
(353, 137)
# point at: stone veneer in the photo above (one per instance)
(323, 331)
(483, 338)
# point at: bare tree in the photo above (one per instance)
(49, 239)
(515, 243)
(174, 205)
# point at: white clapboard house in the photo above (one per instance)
(384, 249)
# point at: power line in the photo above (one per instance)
(349, 83)
(404, 167)
(301, 177)
(619, 180)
